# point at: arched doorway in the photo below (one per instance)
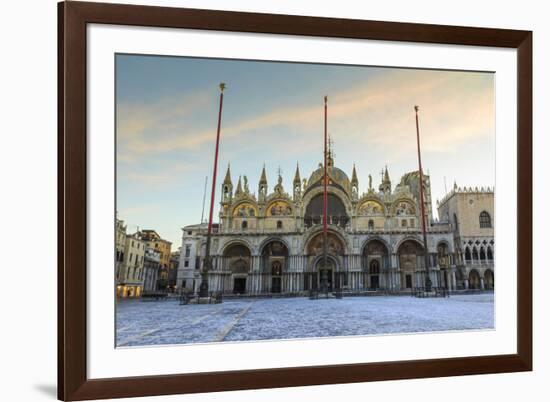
(374, 259)
(374, 271)
(474, 281)
(489, 279)
(334, 277)
(273, 266)
(326, 274)
(336, 211)
(237, 257)
(410, 255)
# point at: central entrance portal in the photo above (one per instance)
(239, 285)
(325, 274)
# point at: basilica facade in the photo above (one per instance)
(273, 242)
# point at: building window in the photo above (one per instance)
(456, 221)
(279, 224)
(484, 220)
(467, 254)
(371, 224)
(186, 263)
(412, 223)
(244, 225)
(404, 223)
(187, 250)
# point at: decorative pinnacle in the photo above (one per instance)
(416, 108)
(222, 86)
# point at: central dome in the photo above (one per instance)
(337, 175)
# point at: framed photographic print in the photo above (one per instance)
(253, 200)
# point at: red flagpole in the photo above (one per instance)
(207, 261)
(325, 176)
(428, 282)
(325, 217)
(222, 87)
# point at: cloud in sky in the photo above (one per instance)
(378, 112)
(166, 126)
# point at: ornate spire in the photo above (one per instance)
(239, 187)
(227, 187)
(297, 184)
(227, 179)
(354, 176)
(385, 186)
(279, 186)
(297, 179)
(263, 178)
(330, 152)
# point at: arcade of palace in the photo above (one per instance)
(273, 243)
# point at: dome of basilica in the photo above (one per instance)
(337, 175)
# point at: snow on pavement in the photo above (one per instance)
(166, 322)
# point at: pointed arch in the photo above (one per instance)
(467, 254)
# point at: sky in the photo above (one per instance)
(167, 111)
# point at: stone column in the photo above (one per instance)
(482, 283)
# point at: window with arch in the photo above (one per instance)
(475, 254)
(484, 220)
(456, 221)
(371, 224)
(489, 253)
(279, 224)
(244, 225)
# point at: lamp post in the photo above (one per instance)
(427, 280)
(203, 289)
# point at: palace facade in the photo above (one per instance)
(273, 242)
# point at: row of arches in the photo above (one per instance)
(480, 254)
(475, 282)
(337, 209)
(375, 262)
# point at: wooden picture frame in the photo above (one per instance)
(73, 17)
